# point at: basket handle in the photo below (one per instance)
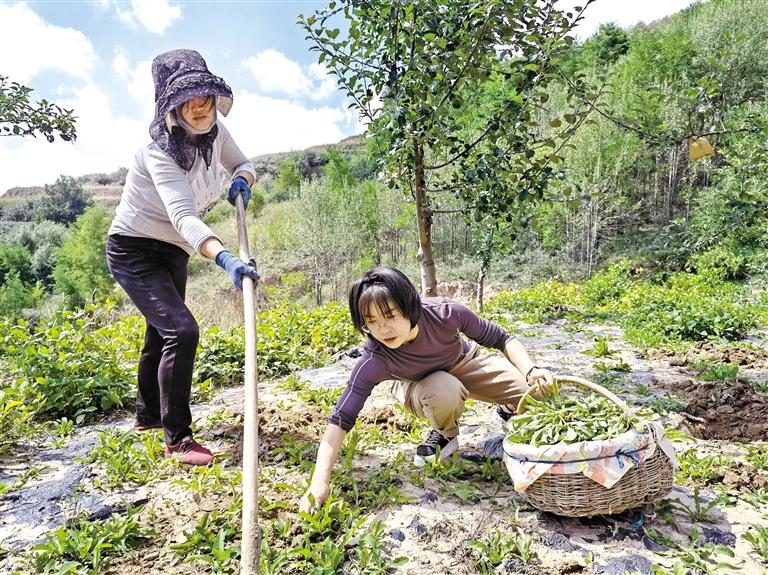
(599, 389)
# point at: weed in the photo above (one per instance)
(323, 397)
(705, 469)
(62, 429)
(664, 405)
(299, 453)
(84, 546)
(213, 541)
(756, 498)
(642, 390)
(709, 371)
(292, 383)
(760, 386)
(211, 479)
(694, 558)
(607, 366)
(31, 473)
(701, 510)
(496, 548)
(757, 455)
(601, 348)
(369, 557)
(758, 537)
(121, 459)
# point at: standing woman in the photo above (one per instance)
(173, 181)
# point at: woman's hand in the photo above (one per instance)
(542, 379)
(319, 492)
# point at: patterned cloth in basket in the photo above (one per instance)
(604, 461)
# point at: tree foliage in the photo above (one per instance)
(81, 272)
(21, 117)
(417, 70)
(63, 201)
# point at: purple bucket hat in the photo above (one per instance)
(181, 75)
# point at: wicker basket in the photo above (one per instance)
(575, 495)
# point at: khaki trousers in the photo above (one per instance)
(440, 396)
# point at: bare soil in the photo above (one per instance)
(731, 411)
(434, 528)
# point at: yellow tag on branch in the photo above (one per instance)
(699, 148)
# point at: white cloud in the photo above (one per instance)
(624, 14)
(326, 83)
(262, 125)
(154, 15)
(29, 45)
(277, 74)
(274, 72)
(104, 143)
(137, 80)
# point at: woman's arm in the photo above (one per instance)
(211, 247)
(518, 356)
(327, 453)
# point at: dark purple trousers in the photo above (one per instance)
(154, 275)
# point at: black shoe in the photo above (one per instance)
(435, 441)
(502, 412)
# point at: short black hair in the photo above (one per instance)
(383, 287)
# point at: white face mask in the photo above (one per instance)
(179, 120)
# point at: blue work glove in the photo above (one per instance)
(239, 186)
(236, 268)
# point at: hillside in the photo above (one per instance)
(106, 188)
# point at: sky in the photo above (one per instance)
(95, 57)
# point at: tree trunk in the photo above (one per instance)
(480, 287)
(424, 223)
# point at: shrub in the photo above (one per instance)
(547, 300)
(15, 259)
(15, 296)
(719, 263)
(77, 363)
(685, 308)
(608, 285)
(292, 338)
(17, 411)
(81, 268)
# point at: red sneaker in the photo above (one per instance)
(190, 452)
(139, 426)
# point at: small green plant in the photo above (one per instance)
(323, 397)
(716, 371)
(663, 405)
(601, 348)
(211, 479)
(127, 457)
(83, 547)
(62, 429)
(213, 541)
(295, 452)
(700, 511)
(758, 537)
(369, 557)
(642, 390)
(292, 383)
(496, 548)
(757, 455)
(705, 469)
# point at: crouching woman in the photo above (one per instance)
(417, 345)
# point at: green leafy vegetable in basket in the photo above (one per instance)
(561, 419)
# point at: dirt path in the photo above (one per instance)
(434, 528)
